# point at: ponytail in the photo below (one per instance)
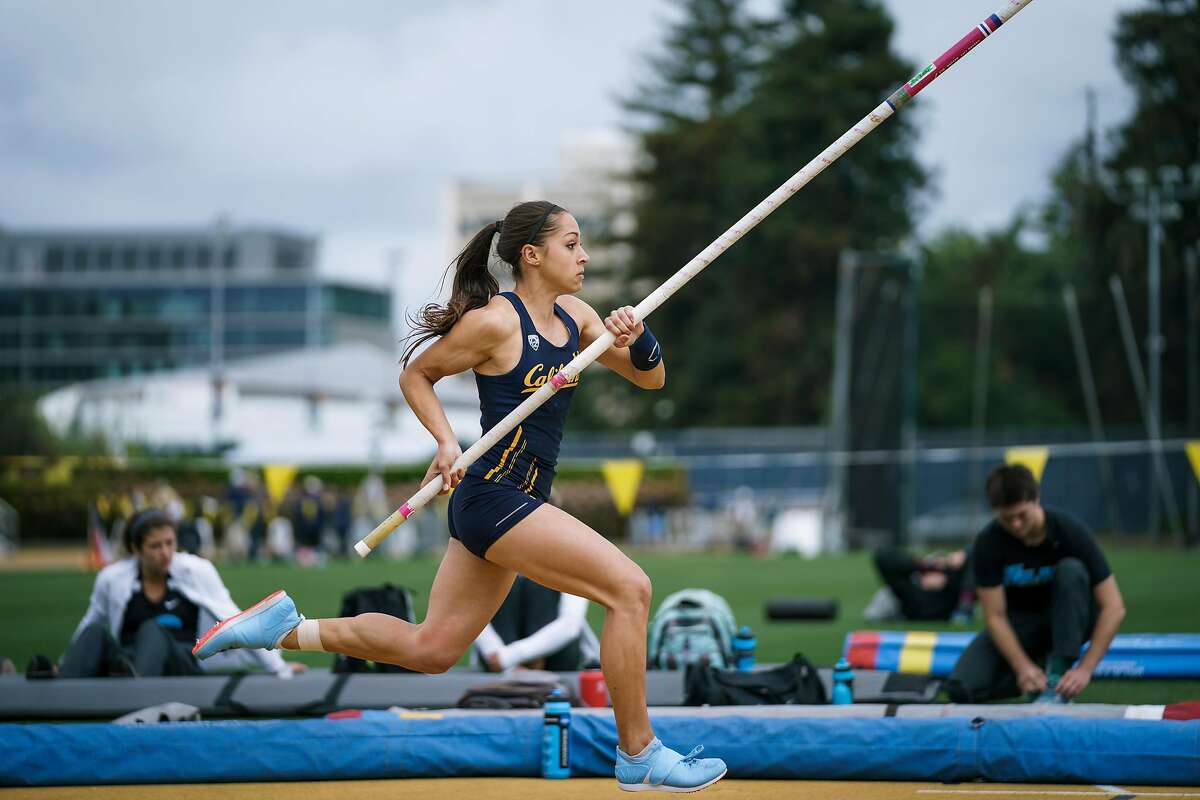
(527, 223)
(473, 287)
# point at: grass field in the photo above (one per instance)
(39, 610)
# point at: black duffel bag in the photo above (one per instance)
(794, 683)
(515, 693)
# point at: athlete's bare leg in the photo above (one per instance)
(557, 550)
(466, 593)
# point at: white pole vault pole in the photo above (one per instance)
(812, 169)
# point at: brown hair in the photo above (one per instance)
(1009, 484)
(474, 286)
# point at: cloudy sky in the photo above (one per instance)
(348, 120)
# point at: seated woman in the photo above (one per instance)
(146, 609)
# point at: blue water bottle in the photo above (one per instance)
(556, 737)
(743, 649)
(843, 683)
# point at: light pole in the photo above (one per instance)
(1155, 199)
(216, 333)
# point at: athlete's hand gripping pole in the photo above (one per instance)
(897, 100)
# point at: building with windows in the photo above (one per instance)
(82, 304)
(591, 184)
(339, 404)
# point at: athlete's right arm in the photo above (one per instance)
(471, 343)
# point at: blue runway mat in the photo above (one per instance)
(430, 744)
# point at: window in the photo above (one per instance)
(289, 255)
(129, 258)
(357, 302)
(104, 259)
(153, 258)
(178, 257)
(55, 259)
(230, 259)
(203, 257)
(79, 259)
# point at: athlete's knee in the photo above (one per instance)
(634, 591)
(435, 652)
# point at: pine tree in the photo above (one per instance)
(741, 105)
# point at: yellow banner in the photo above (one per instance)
(279, 479)
(1193, 454)
(59, 473)
(1032, 457)
(623, 477)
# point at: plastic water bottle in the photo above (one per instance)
(556, 737)
(743, 649)
(843, 683)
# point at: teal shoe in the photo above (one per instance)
(1050, 698)
(262, 625)
(661, 769)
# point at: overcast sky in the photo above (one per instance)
(348, 120)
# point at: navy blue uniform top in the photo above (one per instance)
(526, 457)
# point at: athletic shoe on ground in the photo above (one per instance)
(262, 625)
(660, 769)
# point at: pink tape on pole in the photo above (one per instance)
(406, 510)
(559, 380)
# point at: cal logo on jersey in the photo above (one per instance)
(534, 341)
(534, 380)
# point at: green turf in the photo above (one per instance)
(1161, 587)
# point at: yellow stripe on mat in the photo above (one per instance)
(917, 654)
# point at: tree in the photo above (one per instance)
(1031, 377)
(24, 432)
(1092, 231)
(740, 104)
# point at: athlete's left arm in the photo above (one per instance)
(626, 327)
(1112, 612)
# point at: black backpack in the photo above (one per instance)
(386, 599)
(795, 682)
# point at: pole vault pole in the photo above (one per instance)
(897, 100)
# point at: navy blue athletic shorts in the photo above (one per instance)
(482, 511)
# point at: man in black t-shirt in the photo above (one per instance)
(1045, 588)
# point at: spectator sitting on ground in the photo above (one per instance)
(1045, 588)
(145, 612)
(537, 628)
(939, 587)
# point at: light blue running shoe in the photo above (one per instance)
(660, 769)
(261, 625)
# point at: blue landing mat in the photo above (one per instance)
(453, 744)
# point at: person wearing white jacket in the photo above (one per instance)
(539, 628)
(145, 611)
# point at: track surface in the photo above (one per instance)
(589, 788)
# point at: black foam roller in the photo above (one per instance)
(802, 608)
